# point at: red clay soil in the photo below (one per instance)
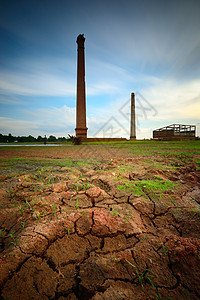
(78, 236)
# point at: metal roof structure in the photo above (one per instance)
(175, 132)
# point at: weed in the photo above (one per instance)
(28, 204)
(39, 175)
(9, 191)
(115, 212)
(44, 204)
(2, 233)
(26, 201)
(76, 205)
(14, 240)
(68, 231)
(51, 179)
(71, 198)
(77, 179)
(54, 209)
(35, 188)
(39, 214)
(170, 199)
(85, 186)
(125, 219)
(132, 214)
(35, 201)
(195, 212)
(43, 187)
(23, 225)
(159, 297)
(164, 249)
(20, 209)
(143, 276)
(75, 186)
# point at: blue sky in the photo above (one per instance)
(149, 47)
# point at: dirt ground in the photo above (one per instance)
(100, 222)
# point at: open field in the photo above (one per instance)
(100, 221)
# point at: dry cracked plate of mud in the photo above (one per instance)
(100, 222)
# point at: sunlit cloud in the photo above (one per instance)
(175, 100)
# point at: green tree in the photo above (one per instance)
(40, 139)
(52, 138)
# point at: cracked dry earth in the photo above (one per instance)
(84, 233)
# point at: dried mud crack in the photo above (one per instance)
(116, 229)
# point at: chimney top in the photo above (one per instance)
(80, 38)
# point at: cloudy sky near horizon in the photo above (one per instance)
(150, 47)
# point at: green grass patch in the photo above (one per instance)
(19, 165)
(198, 164)
(155, 187)
(15, 159)
(131, 187)
(151, 148)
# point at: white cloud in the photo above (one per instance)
(11, 100)
(114, 73)
(54, 121)
(16, 127)
(42, 84)
(102, 88)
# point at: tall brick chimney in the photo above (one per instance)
(81, 129)
(133, 125)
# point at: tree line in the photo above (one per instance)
(30, 139)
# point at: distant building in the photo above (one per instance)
(175, 132)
